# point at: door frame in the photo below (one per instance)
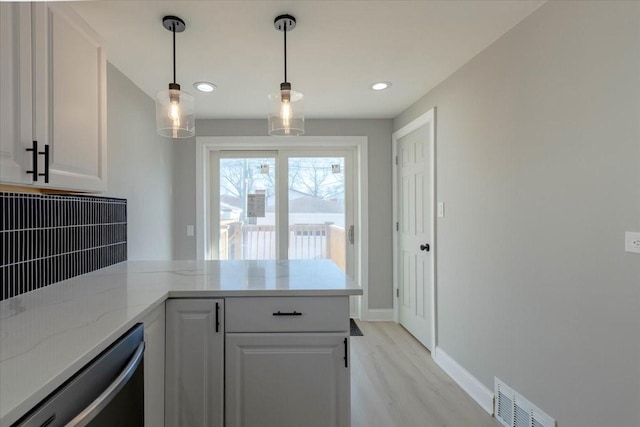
(208, 146)
(428, 118)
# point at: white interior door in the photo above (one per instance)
(414, 256)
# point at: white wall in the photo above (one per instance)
(140, 168)
(538, 151)
(379, 162)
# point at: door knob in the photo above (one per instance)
(425, 247)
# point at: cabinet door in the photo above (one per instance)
(194, 362)
(154, 337)
(70, 97)
(287, 380)
(15, 92)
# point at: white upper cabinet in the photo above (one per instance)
(15, 85)
(62, 106)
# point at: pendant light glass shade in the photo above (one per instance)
(175, 109)
(175, 114)
(286, 113)
(286, 108)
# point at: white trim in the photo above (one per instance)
(275, 143)
(427, 118)
(470, 384)
(380, 315)
(202, 170)
(362, 183)
(206, 145)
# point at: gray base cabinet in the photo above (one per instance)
(154, 339)
(194, 386)
(287, 362)
(287, 380)
(274, 361)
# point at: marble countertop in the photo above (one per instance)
(49, 334)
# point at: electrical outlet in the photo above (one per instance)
(440, 209)
(632, 242)
(190, 231)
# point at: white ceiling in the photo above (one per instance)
(336, 51)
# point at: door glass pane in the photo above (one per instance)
(247, 208)
(317, 209)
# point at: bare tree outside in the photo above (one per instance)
(311, 176)
(315, 200)
(315, 177)
(240, 177)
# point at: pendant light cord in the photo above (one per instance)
(285, 51)
(173, 30)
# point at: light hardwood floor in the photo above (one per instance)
(396, 383)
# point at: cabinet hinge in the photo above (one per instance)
(397, 292)
(397, 226)
(396, 160)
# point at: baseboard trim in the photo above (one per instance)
(470, 384)
(380, 315)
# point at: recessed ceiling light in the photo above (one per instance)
(205, 87)
(380, 85)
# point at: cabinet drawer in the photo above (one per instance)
(287, 314)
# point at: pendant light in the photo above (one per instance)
(175, 110)
(286, 114)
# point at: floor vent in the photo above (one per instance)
(513, 410)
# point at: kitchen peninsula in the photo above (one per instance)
(281, 307)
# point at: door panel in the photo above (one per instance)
(307, 370)
(415, 210)
(194, 362)
(15, 92)
(317, 211)
(70, 97)
(247, 207)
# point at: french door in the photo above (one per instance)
(285, 204)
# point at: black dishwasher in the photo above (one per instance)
(108, 391)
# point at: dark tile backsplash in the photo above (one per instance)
(45, 239)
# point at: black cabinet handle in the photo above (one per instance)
(217, 317)
(346, 353)
(46, 164)
(294, 313)
(34, 160)
(425, 247)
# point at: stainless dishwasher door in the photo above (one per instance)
(109, 391)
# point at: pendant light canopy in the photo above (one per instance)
(286, 113)
(175, 109)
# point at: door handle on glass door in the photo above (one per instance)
(351, 235)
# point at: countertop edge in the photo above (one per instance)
(263, 293)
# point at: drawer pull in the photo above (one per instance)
(294, 313)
